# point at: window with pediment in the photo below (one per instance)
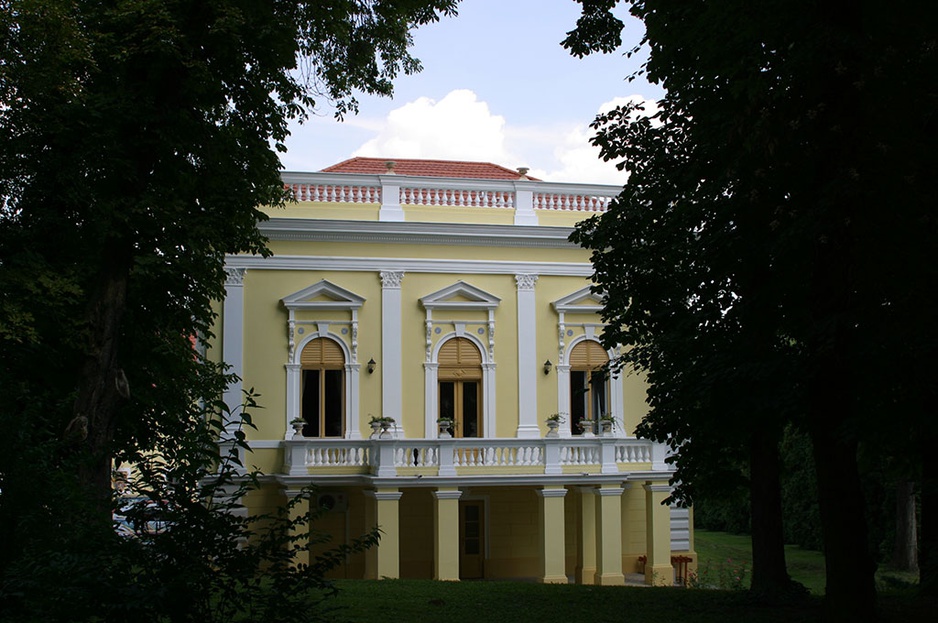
(322, 361)
(460, 359)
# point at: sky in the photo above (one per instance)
(496, 86)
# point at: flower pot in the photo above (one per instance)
(443, 430)
(552, 426)
(605, 428)
(586, 428)
(297, 429)
(375, 429)
(385, 430)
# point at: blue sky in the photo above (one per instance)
(496, 86)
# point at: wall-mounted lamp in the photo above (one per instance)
(547, 366)
(371, 365)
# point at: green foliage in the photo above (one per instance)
(728, 576)
(139, 139)
(213, 562)
(775, 239)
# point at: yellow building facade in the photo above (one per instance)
(416, 326)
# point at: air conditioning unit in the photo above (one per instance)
(332, 502)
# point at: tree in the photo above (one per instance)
(752, 243)
(138, 140)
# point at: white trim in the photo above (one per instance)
(337, 298)
(573, 303)
(410, 265)
(451, 297)
(461, 234)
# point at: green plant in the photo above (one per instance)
(560, 418)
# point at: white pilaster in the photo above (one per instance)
(392, 349)
(233, 335)
(527, 357)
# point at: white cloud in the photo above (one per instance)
(458, 127)
(577, 160)
(461, 127)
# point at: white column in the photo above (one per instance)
(391, 349)
(233, 334)
(527, 358)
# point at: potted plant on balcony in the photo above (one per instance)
(586, 427)
(375, 423)
(382, 423)
(297, 423)
(444, 426)
(607, 424)
(554, 420)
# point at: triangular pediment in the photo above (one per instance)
(582, 301)
(323, 295)
(460, 295)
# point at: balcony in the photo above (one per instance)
(472, 458)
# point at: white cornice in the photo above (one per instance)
(410, 265)
(462, 234)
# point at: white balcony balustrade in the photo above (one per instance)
(391, 192)
(388, 458)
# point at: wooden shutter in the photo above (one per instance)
(588, 355)
(322, 353)
(459, 358)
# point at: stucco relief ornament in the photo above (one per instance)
(291, 338)
(391, 278)
(234, 276)
(525, 282)
(429, 341)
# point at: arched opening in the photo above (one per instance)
(589, 387)
(460, 386)
(323, 395)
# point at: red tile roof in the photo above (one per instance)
(431, 168)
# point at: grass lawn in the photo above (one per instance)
(425, 601)
(725, 552)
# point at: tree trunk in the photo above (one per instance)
(770, 577)
(102, 385)
(851, 592)
(905, 548)
(928, 554)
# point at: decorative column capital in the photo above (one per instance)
(447, 495)
(391, 278)
(234, 276)
(525, 281)
(551, 493)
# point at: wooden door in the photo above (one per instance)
(471, 539)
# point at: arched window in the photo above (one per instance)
(460, 386)
(323, 396)
(589, 389)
